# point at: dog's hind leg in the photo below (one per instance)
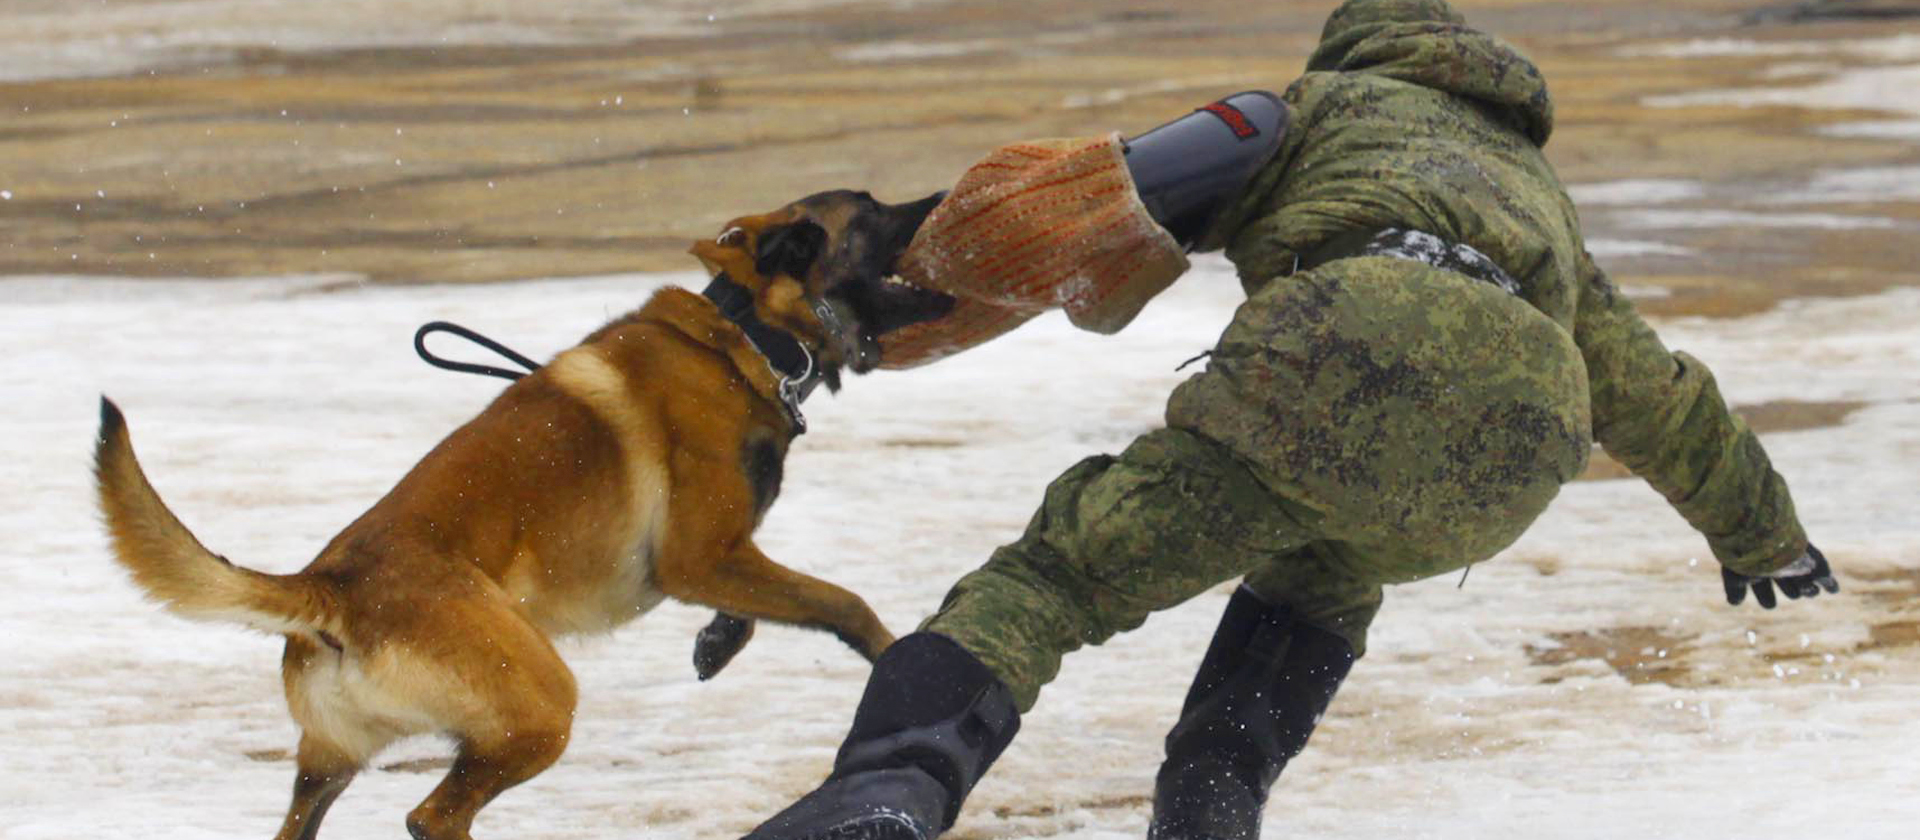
(480, 773)
(324, 772)
(748, 584)
(510, 704)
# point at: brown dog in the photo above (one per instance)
(631, 468)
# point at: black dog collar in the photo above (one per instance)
(789, 359)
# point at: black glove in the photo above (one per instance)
(1803, 577)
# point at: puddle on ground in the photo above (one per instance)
(1664, 219)
(1908, 130)
(1032, 813)
(1646, 655)
(1635, 192)
(1602, 467)
(1795, 415)
(1860, 88)
(418, 765)
(415, 765)
(1765, 418)
(1894, 587)
(1112, 802)
(922, 443)
(1893, 634)
(1641, 655)
(1607, 249)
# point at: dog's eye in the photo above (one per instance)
(789, 249)
(733, 237)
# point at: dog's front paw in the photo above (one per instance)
(716, 643)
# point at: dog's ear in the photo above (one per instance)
(789, 249)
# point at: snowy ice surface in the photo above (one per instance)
(1112, 96)
(1669, 219)
(905, 50)
(1634, 192)
(1891, 88)
(1650, 207)
(55, 38)
(270, 412)
(1902, 47)
(1877, 130)
(1614, 198)
(1872, 184)
(1604, 249)
(1891, 85)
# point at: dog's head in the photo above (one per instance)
(822, 268)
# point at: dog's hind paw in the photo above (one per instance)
(716, 643)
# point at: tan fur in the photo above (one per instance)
(586, 493)
(171, 565)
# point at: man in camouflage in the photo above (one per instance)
(1366, 419)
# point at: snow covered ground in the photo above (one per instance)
(1589, 683)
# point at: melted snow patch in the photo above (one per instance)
(1625, 248)
(1723, 48)
(885, 51)
(48, 39)
(1893, 89)
(1872, 184)
(908, 50)
(1902, 47)
(1801, 70)
(1646, 292)
(1112, 96)
(1882, 130)
(1639, 191)
(1659, 219)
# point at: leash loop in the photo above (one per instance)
(420, 346)
(793, 389)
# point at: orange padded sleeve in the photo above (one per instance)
(1035, 226)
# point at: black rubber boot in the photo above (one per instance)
(1261, 688)
(932, 721)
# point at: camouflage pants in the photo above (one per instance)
(1372, 421)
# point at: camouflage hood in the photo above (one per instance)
(1425, 42)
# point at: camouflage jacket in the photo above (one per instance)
(1408, 118)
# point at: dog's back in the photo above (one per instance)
(557, 493)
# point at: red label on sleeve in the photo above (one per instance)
(1237, 122)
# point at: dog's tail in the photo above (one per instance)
(173, 567)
